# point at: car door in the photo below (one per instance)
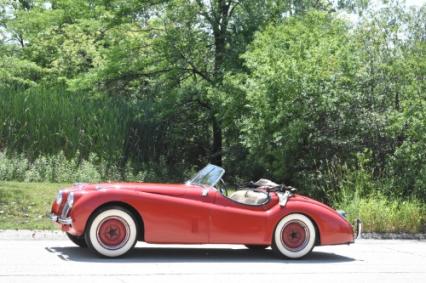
(236, 223)
(178, 219)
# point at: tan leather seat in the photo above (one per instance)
(249, 197)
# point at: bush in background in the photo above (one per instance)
(57, 168)
(381, 214)
(362, 196)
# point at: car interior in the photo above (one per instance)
(249, 197)
(254, 195)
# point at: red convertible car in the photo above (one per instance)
(110, 218)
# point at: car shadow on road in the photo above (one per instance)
(167, 255)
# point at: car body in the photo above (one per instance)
(111, 217)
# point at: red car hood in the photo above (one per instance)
(157, 188)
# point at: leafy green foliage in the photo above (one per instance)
(288, 90)
(298, 107)
(58, 168)
(15, 72)
(381, 214)
(362, 196)
(319, 93)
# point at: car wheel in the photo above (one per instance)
(78, 240)
(294, 236)
(112, 232)
(256, 247)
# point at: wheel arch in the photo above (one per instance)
(130, 208)
(331, 228)
(317, 231)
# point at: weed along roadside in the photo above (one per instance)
(26, 205)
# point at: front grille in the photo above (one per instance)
(65, 210)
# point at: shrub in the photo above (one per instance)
(380, 214)
(57, 168)
(356, 190)
(13, 167)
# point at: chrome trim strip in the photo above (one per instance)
(65, 221)
(60, 220)
(65, 210)
(53, 217)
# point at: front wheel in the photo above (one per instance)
(111, 232)
(294, 236)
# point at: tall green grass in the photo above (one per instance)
(40, 121)
(382, 214)
(363, 196)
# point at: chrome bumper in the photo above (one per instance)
(60, 220)
(358, 229)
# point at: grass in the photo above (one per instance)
(356, 191)
(381, 214)
(26, 205)
(43, 121)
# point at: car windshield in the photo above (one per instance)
(208, 176)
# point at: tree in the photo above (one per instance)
(299, 99)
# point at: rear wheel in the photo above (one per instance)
(294, 236)
(78, 240)
(112, 232)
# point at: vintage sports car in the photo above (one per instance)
(110, 218)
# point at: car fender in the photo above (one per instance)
(87, 204)
(332, 228)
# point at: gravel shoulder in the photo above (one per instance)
(32, 235)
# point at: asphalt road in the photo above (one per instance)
(27, 260)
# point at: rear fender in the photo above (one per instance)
(333, 229)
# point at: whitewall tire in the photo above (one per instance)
(294, 236)
(112, 232)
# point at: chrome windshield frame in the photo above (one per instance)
(202, 177)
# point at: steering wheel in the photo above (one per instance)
(222, 188)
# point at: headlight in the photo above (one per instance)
(70, 199)
(59, 198)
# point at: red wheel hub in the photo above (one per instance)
(295, 235)
(113, 232)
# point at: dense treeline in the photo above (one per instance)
(290, 90)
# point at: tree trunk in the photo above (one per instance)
(219, 33)
(216, 156)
